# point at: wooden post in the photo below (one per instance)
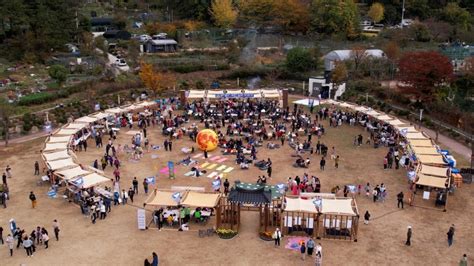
(218, 214)
(238, 216)
(266, 217)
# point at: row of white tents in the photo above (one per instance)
(432, 169)
(59, 156)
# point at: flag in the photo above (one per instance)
(151, 180)
(176, 197)
(78, 182)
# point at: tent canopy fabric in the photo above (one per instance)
(75, 126)
(337, 206)
(421, 143)
(56, 155)
(434, 171)
(60, 164)
(409, 129)
(385, 118)
(306, 102)
(86, 119)
(425, 150)
(396, 122)
(73, 172)
(54, 139)
(372, 113)
(90, 180)
(431, 181)
(161, 198)
(300, 205)
(200, 199)
(417, 135)
(66, 131)
(115, 110)
(100, 115)
(361, 109)
(56, 146)
(431, 159)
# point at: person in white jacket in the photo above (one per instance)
(10, 241)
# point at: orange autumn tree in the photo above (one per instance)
(155, 80)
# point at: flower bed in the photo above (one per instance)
(226, 233)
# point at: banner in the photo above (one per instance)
(151, 180)
(141, 219)
(171, 169)
(235, 95)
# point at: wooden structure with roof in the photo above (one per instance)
(256, 198)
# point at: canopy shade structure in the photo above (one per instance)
(161, 198)
(337, 206)
(146, 103)
(373, 113)
(421, 143)
(90, 180)
(195, 94)
(361, 109)
(417, 135)
(65, 131)
(425, 150)
(300, 205)
(306, 102)
(115, 110)
(100, 115)
(396, 122)
(54, 139)
(385, 118)
(408, 129)
(55, 146)
(131, 108)
(56, 155)
(431, 159)
(347, 105)
(432, 181)
(71, 173)
(200, 199)
(86, 119)
(76, 126)
(434, 171)
(253, 196)
(61, 164)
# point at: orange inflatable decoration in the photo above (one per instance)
(207, 140)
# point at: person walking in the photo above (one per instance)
(366, 217)
(170, 145)
(400, 199)
(45, 238)
(463, 261)
(124, 197)
(145, 185)
(450, 234)
(409, 233)
(277, 236)
(131, 193)
(135, 185)
(165, 143)
(319, 255)
(37, 168)
(322, 163)
(310, 245)
(33, 199)
(303, 251)
(205, 154)
(155, 259)
(27, 244)
(269, 171)
(10, 242)
(103, 211)
(56, 229)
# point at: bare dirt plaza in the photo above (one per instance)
(116, 240)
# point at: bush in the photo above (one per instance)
(188, 68)
(299, 59)
(246, 72)
(37, 98)
(58, 72)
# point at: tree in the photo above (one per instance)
(58, 72)
(223, 13)
(292, 15)
(358, 54)
(423, 72)
(299, 60)
(257, 11)
(456, 15)
(392, 51)
(376, 12)
(6, 110)
(154, 80)
(338, 75)
(334, 17)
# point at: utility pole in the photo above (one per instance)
(403, 12)
(421, 117)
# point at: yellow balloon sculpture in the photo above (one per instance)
(207, 140)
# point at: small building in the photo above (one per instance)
(160, 46)
(341, 55)
(321, 87)
(117, 35)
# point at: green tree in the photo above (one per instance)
(58, 73)
(257, 11)
(334, 17)
(376, 12)
(299, 60)
(454, 14)
(6, 110)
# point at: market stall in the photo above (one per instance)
(338, 219)
(299, 215)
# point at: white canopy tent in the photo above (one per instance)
(86, 119)
(76, 126)
(396, 122)
(90, 180)
(337, 206)
(73, 172)
(61, 164)
(56, 155)
(54, 139)
(300, 205)
(55, 146)
(415, 135)
(64, 131)
(307, 102)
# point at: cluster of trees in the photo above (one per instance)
(31, 29)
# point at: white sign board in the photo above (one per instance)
(426, 195)
(141, 219)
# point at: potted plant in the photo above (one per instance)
(226, 233)
(265, 235)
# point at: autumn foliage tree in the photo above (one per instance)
(376, 12)
(423, 72)
(338, 75)
(223, 13)
(292, 15)
(155, 80)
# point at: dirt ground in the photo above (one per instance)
(116, 240)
